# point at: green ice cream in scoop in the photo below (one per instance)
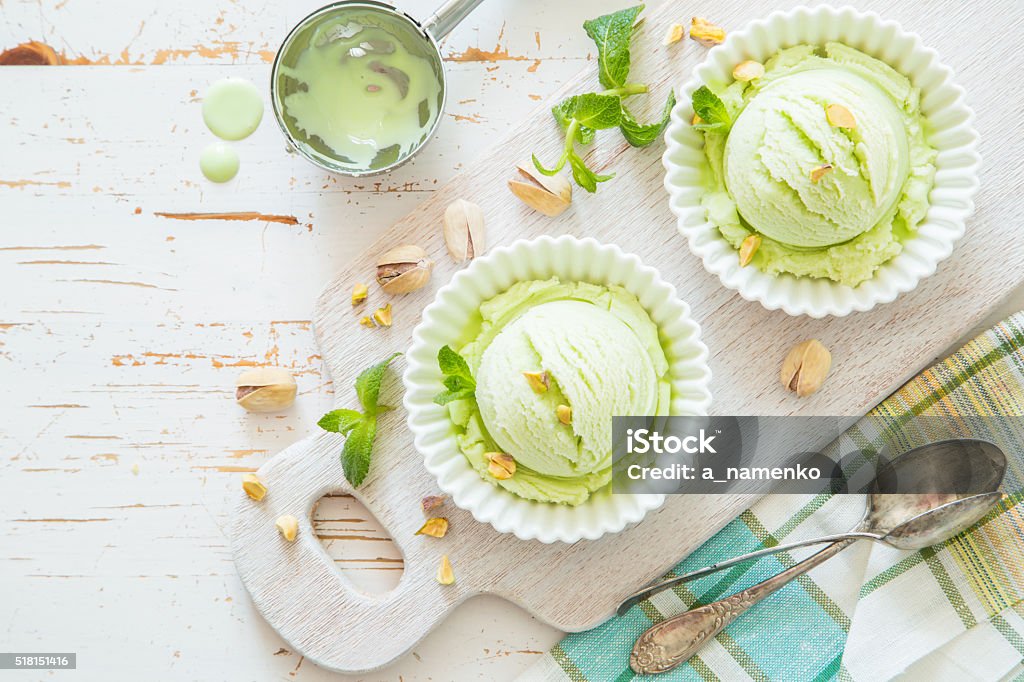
(602, 357)
(877, 173)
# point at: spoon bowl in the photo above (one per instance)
(933, 492)
(941, 523)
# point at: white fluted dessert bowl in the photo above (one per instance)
(948, 129)
(455, 308)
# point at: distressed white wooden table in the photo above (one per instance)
(124, 321)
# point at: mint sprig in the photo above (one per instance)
(640, 135)
(360, 428)
(581, 116)
(711, 109)
(458, 381)
(611, 34)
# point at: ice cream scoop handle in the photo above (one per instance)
(673, 641)
(448, 17)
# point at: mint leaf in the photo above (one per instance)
(445, 397)
(458, 379)
(581, 115)
(453, 364)
(640, 135)
(585, 134)
(368, 385)
(359, 427)
(586, 178)
(593, 110)
(340, 421)
(711, 109)
(611, 34)
(355, 455)
(453, 383)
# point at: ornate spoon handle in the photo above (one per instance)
(674, 640)
(649, 591)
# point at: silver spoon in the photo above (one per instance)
(902, 520)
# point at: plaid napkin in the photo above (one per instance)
(950, 612)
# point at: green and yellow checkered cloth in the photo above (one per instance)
(950, 612)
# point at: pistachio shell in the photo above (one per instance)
(549, 194)
(265, 389)
(464, 230)
(805, 367)
(403, 269)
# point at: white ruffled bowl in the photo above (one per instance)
(444, 322)
(950, 131)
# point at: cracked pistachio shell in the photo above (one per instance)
(550, 195)
(265, 389)
(805, 367)
(464, 230)
(403, 269)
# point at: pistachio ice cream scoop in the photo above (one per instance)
(553, 362)
(826, 159)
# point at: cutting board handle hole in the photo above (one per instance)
(359, 545)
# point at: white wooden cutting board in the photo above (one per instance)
(296, 586)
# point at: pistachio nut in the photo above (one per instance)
(840, 117)
(550, 195)
(288, 526)
(382, 316)
(359, 293)
(748, 70)
(674, 34)
(539, 381)
(464, 230)
(706, 33)
(431, 502)
(748, 248)
(254, 487)
(805, 367)
(445, 574)
(821, 171)
(265, 389)
(564, 414)
(403, 269)
(436, 527)
(502, 466)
